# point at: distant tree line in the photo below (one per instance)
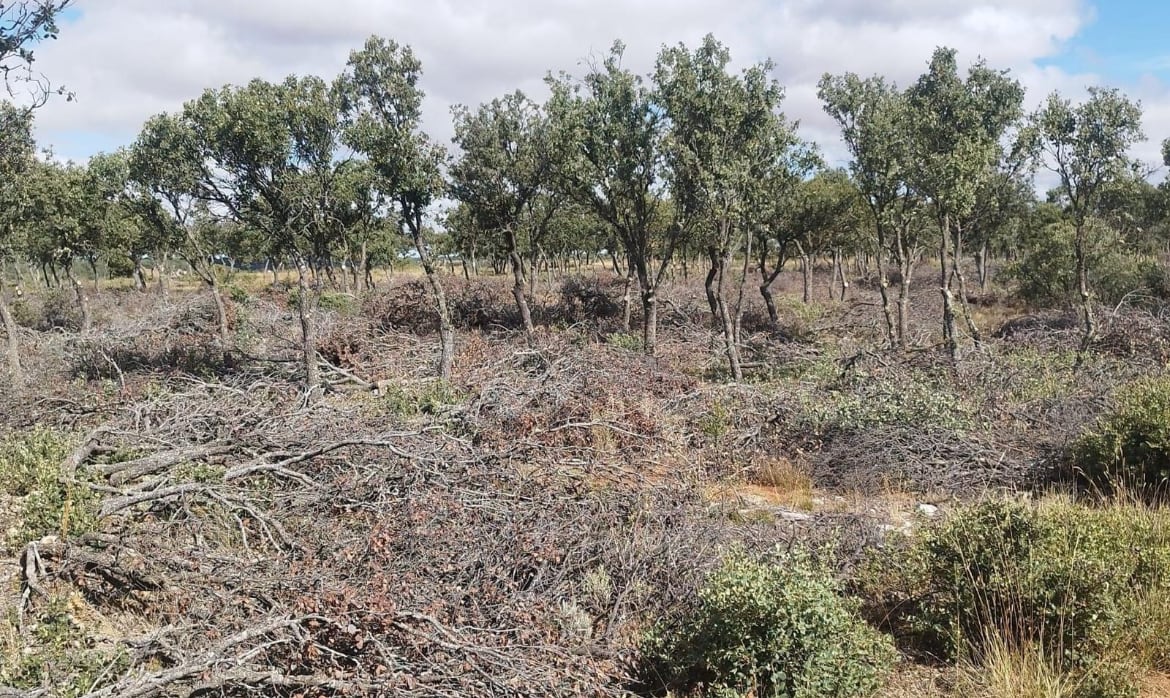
(692, 166)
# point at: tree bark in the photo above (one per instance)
(11, 331)
(82, 301)
(950, 333)
(730, 347)
(220, 309)
(893, 332)
(981, 268)
(957, 268)
(649, 321)
(806, 271)
(305, 308)
(747, 263)
(139, 275)
(710, 282)
(628, 301)
(446, 325)
(518, 287)
(1089, 322)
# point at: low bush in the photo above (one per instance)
(1074, 582)
(1130, 444)
(777, 629)
(49, 503)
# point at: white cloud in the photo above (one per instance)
(128, 59)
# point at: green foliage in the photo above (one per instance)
(343, 303)
(1046, 273)
(60, 655)
(432, 397)
(237, 295)
(913, 400)
(30, 465)
(1129, 445)
(624, 340)
(1064, 578)
(777, 630)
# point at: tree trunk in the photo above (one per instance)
(163, 282)
(747, 260)
(518, 287)
(950, 332)
(93, 268)
(1090, 324)
(730, 347)
(957, 269)
(766, 279)
(649, 321)
(139, 275)
(82, 301)
(220, 308)
(981, 268)
(842, 278)
(906, 271)
(628, 301)
(806, 271)
(709, 284)
(893, 332)
(11, 331)
(446, 325)
(305, 308)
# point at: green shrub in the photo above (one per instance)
(431, 397)
(1066, 578)
(342, 303)
(30, 470)
(59, 656)
(625, 340)
(1129, 445)
(237, 294)
(767, 629)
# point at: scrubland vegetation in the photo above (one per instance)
(659, 405)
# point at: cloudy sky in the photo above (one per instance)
(128, 59)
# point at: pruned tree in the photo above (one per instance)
(957, 132)
(1087, 146)
(382, 106)
(611, 129)
(874, 124)
(722, 130)
(16, 150)
(506, 162)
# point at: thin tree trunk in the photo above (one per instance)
(305, 308)
(628, 301)
(649, 321)
(709, 284)
(806, 271)
(139, 275)
(12, 333)
(82, 301)
(1090, 324)
(957, 268)
(766, 279)
(842, 278)
(518, 287)
(93, 268)
(747, 263)
(981, 268)
(950, 332)
(893, 332)
(163, 283)
(731, 349)
(446, 325)
(220, 308)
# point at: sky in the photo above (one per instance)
(126, 60)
